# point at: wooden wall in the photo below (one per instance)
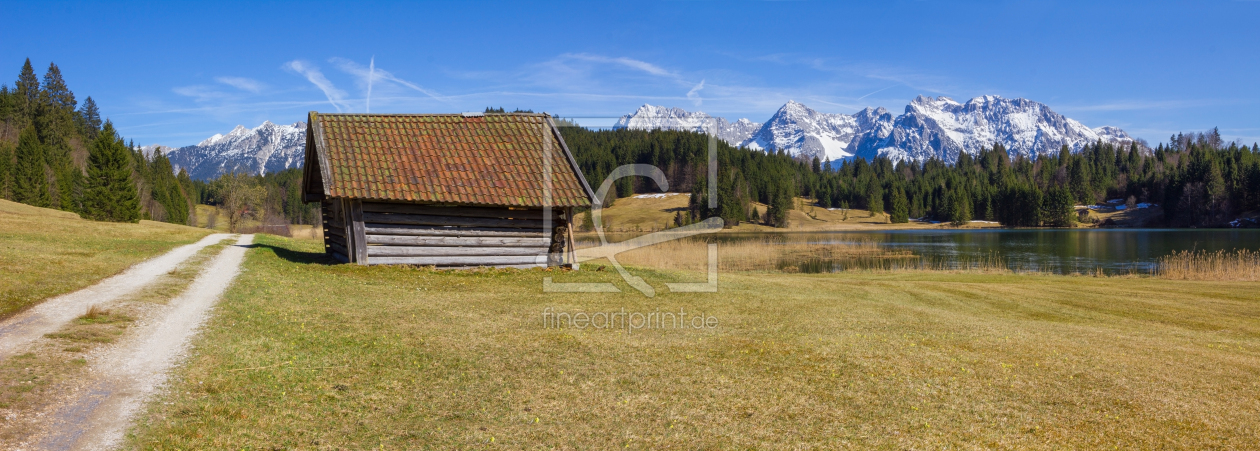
(450, 237)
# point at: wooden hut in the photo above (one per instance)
(448, 190)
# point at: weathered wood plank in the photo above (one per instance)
(337, 247)
(395, 218)
(409, 251)
(494, 266)
(360, 237)
(395, 240)
(337, 231)
(473, 212)
(415, 230)
(455, 261)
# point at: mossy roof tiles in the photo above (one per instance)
(496, 159)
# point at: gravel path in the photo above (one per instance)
(49, 316)
(118, 382)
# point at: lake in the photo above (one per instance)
(1053, 250)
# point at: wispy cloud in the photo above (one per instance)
(242, 83)
(623, 61)
(694, 94)
(335, 96)
(367, 75)
(200, 93)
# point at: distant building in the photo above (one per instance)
(448, 190)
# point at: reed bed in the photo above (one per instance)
(772, 254)
(1240, 265)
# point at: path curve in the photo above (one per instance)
(119, 382)
(49, 316)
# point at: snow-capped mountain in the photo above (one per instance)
(266, 148)
(650, 117)
(940, 127)
(799, 130)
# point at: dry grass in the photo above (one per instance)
(31, 383)
(1241, 265)
(93, 312)
(302, 355)
(652, 214)
(44, 253)
(771, 253)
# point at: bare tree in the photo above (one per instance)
(240, 196)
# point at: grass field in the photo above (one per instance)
(45, 252)
(32, 382)
(304, 355)
(645, 214)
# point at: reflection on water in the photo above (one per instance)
(1052, 250)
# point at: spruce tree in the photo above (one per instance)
(959, 207)
(30, 184)
(27, 88)
(6, 102)
(900, 207)
(90, 118)
(109, 193)
(1056, 208)
(6, 170)
(874, 198)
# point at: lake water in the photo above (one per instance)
(1053, 250)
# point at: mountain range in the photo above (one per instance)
(265, 148)
(930, 127)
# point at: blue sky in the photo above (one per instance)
(175, 74)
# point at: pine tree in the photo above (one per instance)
(30, 183)
(959, 207)
(7, 104)
(874, 199)
(27, 89)
(109, 193)
(54, 120)
(89, 118)
(1056, 208)
(900, 207)
(6, 170)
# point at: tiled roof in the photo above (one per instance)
(495, 159)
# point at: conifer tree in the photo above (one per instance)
(6, 170)
(89, 118)
(27, 89)
(900, 207)
(30, 184)
(109, 193)
(874, 199)
(6, 102)
(959, 207)
(1056, 208)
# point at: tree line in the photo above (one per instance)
(1199, 180)
(57, 153)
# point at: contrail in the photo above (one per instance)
(882, 90)
(371, 72)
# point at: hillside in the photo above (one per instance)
(45, 252)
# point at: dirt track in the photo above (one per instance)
(19, 331)
(101, 407)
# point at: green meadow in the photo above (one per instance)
(301, 354)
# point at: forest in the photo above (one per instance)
(1198, 179)
(58, 153)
